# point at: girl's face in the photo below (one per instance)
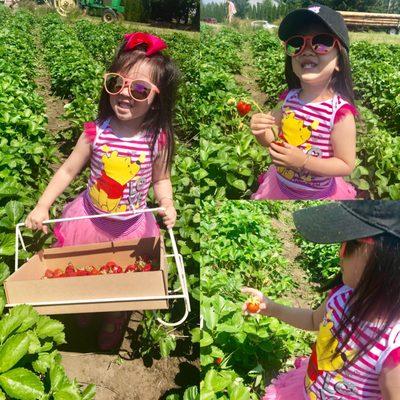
(312, 68)
(353, 264)
(124, 106)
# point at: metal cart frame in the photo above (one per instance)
(180, 293)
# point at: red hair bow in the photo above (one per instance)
(154, 43)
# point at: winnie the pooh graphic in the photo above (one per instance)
(322, 358)
(296, 133)
(117, 172)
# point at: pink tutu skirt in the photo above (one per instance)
(289, 385)
(269, 189)
(99, 230)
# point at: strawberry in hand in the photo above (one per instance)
(256, 304)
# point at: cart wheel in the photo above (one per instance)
(65, 7)
(393, 31)
(109, 16)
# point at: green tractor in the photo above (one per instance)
(109, 10)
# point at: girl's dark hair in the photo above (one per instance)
(376, 297)
(341, 83)
(165, 75)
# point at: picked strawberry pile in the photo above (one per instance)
(139, 264)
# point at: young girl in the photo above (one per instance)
(130, 146)
(315, 120)
(357, 352)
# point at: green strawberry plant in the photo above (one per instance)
(239, 353)
(30, 366)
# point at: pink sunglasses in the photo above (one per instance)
(139, 89)
(321, 43)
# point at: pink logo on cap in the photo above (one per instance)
(314, 9)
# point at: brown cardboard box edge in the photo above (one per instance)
(26, 286)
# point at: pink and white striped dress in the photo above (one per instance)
(120, 177)
(318, 119)
(121, 169)
(324, 380)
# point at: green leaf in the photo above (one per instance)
(89, 393)
(57, 376)
(363, 184)
(196, 335)
(47, 327)
(13, 350)
(210, 317)
(7, 243)
(15, 319)
(69, 391)
(22, 384)
(167, 345)
(238, 392)
(206, 339)
(191, 393)
(15, 211)
(4, 272)
(45, 361)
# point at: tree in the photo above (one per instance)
(242, 7)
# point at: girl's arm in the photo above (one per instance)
(60, 181)
(163, 189)
(389, 382)
(306, 319)
(344, 152)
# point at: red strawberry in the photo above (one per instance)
(49, 273)
(57, 273)
(111, 264)
(70, 268)
(131, 268)
(243, 108)
(81, 272)
(218, 360)
(147, 267)
(116, 269)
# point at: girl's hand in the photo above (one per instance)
(263, 301)
(287, 155)
(260, 123)
(169, 216)
(36, 217)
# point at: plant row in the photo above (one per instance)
(229, 156)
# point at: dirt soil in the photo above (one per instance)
(302, 294)
(247, 78)
(122, 374)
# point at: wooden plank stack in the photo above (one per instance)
(371, 19)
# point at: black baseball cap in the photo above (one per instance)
(338, 222)
(333, 20)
